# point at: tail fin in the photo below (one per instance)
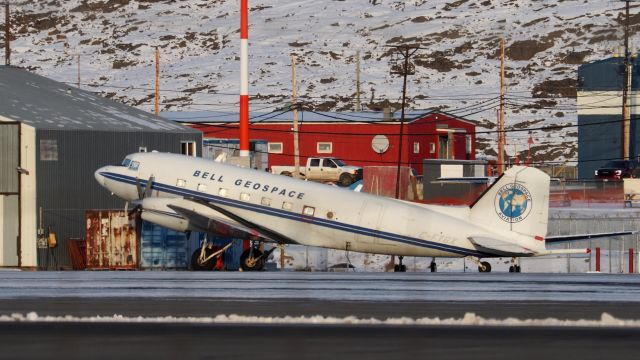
(518, 201)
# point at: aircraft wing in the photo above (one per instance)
(565, 238)
(499, 247)
(216, 219)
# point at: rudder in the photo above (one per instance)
(518, 201)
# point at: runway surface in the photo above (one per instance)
(143, 300)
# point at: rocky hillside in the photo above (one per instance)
(456, 67)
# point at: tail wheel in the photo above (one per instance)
(345, 179)
(484, 267)
(251, 260)
(198, 265)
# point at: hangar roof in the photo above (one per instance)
(47, 104)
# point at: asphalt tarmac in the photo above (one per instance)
(379, 296)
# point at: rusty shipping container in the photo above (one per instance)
(113, 240)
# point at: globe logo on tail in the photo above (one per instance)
(513, 203)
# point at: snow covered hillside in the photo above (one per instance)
(456, 69)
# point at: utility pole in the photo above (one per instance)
(626, 123)
(358, 106)
(294, 104)
(501, 139)
(406, 52)
(157, 102)
(7, 34)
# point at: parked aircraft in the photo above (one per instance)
(193, 194)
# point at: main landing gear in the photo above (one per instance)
(208, 256)
(483, 266)
(400, 267)
(253, 258)
(515, 267)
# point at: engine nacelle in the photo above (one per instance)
(155, 210)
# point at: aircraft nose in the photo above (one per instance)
(99, 177)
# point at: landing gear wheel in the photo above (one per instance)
(400, 267)
(484, 267)
(345, 180)
(251, 260)
(512, 268)
(198, 265)
(517, 268)
(433, 267)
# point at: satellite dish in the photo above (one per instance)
(380, 144)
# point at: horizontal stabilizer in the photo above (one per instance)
(563, 238)
(562, 252)
(498, 247)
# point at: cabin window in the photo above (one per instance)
(126, 162)
(287, 205)
(222, 192)
(432, 148)
(308, 211)
(245, 196)
(48, 150)
(324, 147)
(266, 201)
(202, 187)
(416, 148)
(275, 147)
(181, 183)
(134, 165)
(188, 148)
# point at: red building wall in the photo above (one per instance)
(352, 141)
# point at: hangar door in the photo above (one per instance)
(9, 194)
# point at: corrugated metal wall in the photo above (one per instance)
(66, 187)
(9, 157)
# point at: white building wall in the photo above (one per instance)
(29, 226)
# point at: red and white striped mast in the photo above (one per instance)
(244, 79)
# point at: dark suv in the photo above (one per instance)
(617, 170)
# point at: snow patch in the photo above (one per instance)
(469, 319)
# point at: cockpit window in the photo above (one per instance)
(134, 165)
(126, 162)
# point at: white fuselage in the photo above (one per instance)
(307, 213)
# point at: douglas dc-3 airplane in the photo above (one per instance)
(192, 194)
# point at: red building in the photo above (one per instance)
(362, 139)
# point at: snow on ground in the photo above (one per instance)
(469, 319)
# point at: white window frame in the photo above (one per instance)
(287, 205)
(202, 187)
(265, 201)
(181, 183)
(324, 151)
(432, 148)
(276, 151)
(467, 144)
(188, 148)
(223, 192)
(416, 147)
(308, 211)
(245, 196)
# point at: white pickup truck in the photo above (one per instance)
(324, 170)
